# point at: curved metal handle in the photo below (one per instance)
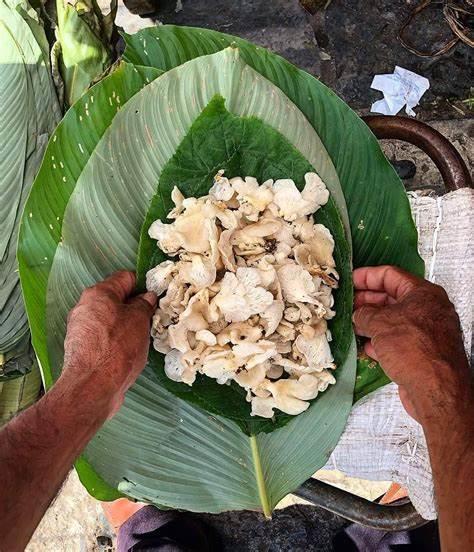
(445, 156)
(377, 516)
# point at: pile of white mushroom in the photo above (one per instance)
(249, 296)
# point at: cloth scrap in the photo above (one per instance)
(400, 88)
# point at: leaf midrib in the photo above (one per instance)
(259, 477)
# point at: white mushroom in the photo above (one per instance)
(291, 395)
(314, 191)
(177, 370)
(241, 295)
(325, 378)
(252, 354)
(173, 301)
(206, 337)
(292, 203)
(271, 316)
(303, 228)
(263, 407)
(238, 332)
(178, 198)
(187, 232)
(253, 198)
(226, 251)
(292, 314)
(251, 377)
(221, 189)
(316, 351)
(296, 284)
(197, 270)
(252, 239)
(322, 246)
(159, 277)
(274, 372)
(286, 331)
(219, 364)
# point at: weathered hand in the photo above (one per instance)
(108, 337)
(415, 334)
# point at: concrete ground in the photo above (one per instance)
(74, 522)
(345, 45)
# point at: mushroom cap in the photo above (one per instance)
(316, 352)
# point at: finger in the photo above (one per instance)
(376, 298)
(119, 285)
(367, 320)
(391, 280)
(146, 301)
(370, 351)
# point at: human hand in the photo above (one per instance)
(107, 339)
(415, 335)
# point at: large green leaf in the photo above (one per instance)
(241, 146)
(75, 139)
(370, 377)
(29, 112)
(383, 231)
(158, 447)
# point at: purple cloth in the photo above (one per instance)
(372, 540)
(153, 530)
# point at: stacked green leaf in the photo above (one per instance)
(186, 103)
(18, 393)
(83, 50)
(243, 146)
(29, 111)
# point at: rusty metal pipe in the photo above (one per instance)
(444, 155)
(354, 508)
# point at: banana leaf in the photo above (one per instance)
(83, 50)
(29, 111)
(17, 361)
(370, 377)
(19, 393)
(160, 448)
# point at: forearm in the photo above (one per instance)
(37, 450)
(449, 431)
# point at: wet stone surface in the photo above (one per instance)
(294, 529)
(345, 45)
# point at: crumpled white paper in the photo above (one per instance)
(401, 88)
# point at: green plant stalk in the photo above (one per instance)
(262, 490)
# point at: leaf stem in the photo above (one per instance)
(262, 491)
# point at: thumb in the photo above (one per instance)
(146, 301)
(367, 320)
